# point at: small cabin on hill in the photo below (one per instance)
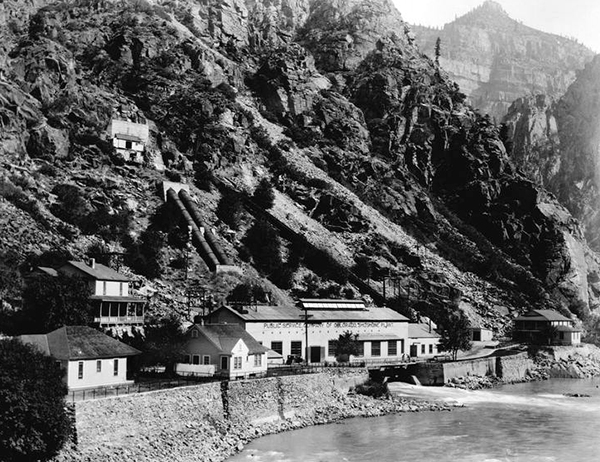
(90, 358)
(223, 349)
(130, 138)
(546, 327)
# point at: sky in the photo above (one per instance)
(578, 19)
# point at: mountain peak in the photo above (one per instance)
(491, 5)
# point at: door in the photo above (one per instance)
(414, 351)
(224, 362)
(315, 354)
(477, 336)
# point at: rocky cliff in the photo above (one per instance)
(496, 59)
(557, 142)
(385, 182)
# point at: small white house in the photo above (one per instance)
(90, 358)
(232, 351)
(424, 341)
(129, 139)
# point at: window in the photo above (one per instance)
(430, 349)
(196, 359)
(121, 289)
(237, 362)
(127, 144)
(561, 335)
(361, 349)
(296, 348)
(103, 287)
(116, 367)
(194, 333)
(80, 370)
(257, 360)
(206, 359)
(99, 366)
(187, 359)
(392, 347)
(402, 346)
(376, 348)
(423, 349)
(277, 346)
(331, 347)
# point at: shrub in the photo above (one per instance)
(35, 424)
(229, 209)
(373, 389)
(264, 194)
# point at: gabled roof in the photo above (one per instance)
(99, 271)
(226, 337)
(73, 343)
(421, 331)
(331, 304)
(265, 313)
(124, 136)
(542, 315)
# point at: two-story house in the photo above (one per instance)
(110, 294)
(546, 326)
(130, 138)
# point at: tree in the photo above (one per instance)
(264, 195)
(455, 333)
(51, 302)
(438, 50)
(35, 424)
(229, 209)
(164, 341)
(347, 344)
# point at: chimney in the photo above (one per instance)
(93, 263)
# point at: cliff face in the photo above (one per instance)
(380, 170)
(496, 59)
(558, 143)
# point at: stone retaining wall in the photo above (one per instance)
(514, 368)
(203, 422)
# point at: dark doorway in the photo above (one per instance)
(414, 351)
(224, 362)
(315, 354)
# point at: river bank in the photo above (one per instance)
(211, 422)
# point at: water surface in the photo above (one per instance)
(516, 423)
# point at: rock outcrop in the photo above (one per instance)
(496, 59)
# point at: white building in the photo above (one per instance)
(424, 341)
(109, 293)
(90, 358)
(288, 330)
(226, 349)
(130, 139)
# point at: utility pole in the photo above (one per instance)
(306, 316)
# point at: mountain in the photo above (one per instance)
(496, 59)
(557, 142)
(384, 182)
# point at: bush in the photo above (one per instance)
(229, 209)
(35, 424)
(145, 256)
(264, 194)
(373, 389)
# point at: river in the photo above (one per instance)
(531, 422)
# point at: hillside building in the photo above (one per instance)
(130, 138)
(424, 341)
(110, 296)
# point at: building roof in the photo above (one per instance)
(79, 342)
(123, 136)
(226, 336)
(264, 313)
(421, 331)
(320, 304)
(542, 315)
(98, 271)
(51, 271)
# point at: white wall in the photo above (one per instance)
(246, 361)
(320, 334)
(93, 378)
(112, 288)
(122, 144)
(427, 343)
